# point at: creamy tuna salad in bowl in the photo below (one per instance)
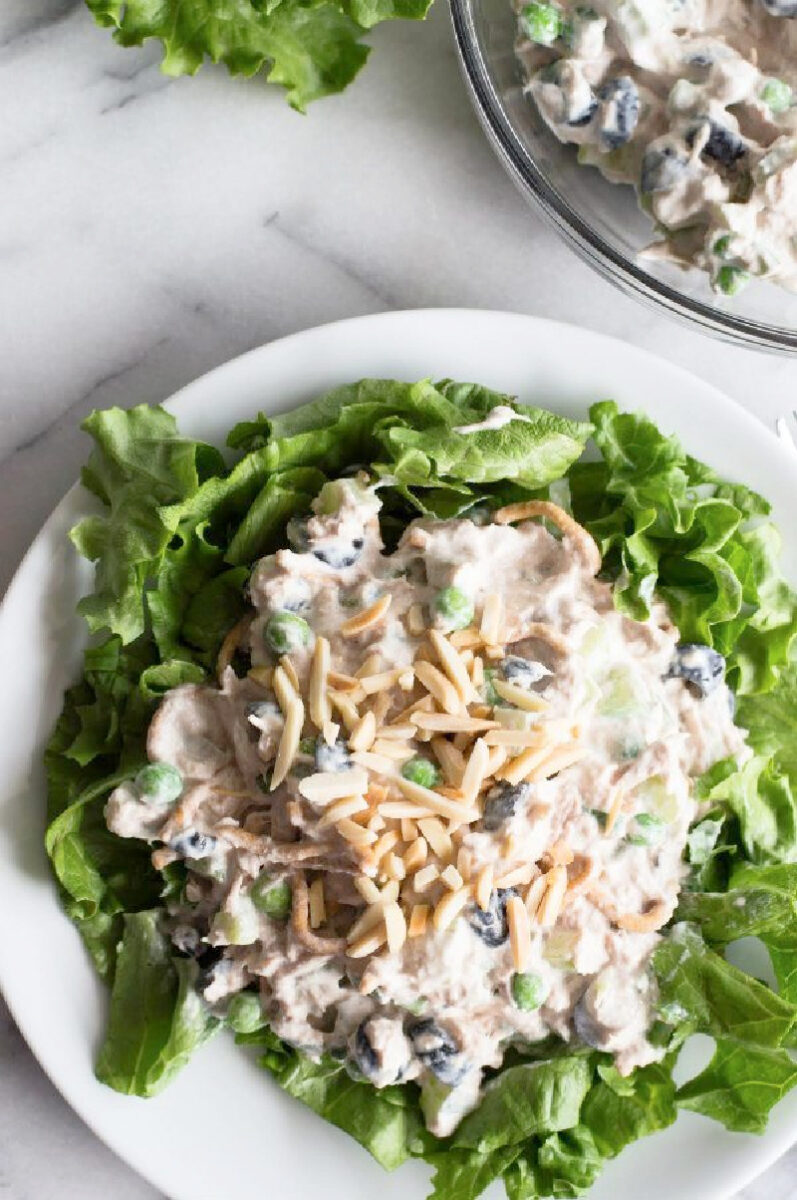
(661, 138)
(436, 750)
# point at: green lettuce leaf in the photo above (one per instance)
(387, 1123)
(666, 523)
(715, 997)
(537, 1097)
(741, 1085)
(310, 47)
(157, 1018)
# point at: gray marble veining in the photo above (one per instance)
(152, 228)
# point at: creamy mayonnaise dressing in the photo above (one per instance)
(692, 102)
(613, 721)
(497, 418)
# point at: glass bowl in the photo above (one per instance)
(601, 221)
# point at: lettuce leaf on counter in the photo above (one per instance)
(174, 544)
(312, 48)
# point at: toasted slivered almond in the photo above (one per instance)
(418, 918)
(370, 919)
(406, 679)
(452, 878)
(362, 736)
(425, 704)
(551, 903)
(381, 682)
(466, 657)
(498, 756)
(449, 907)
(515, 737)
(519, 697)
(646, 922)
(369, 666)
(401, 810)
(377, 792)
(424, 878)
(290, 671)
(318, 701)
(439, 685)
(347, 709)
(615, 808)
(347, 806)
(465, 639)
(415, 855)
(380, 706)
(477, 671)
(356, 834)
(560, 854)
(393, 867)
(409, 830)
(451, 760)
(318, 911)
(376, 823)
(367, 889)
(437, 837)
(369, 943)
(367, 618)
(416, 626)
(441, 805)
(494, 653)
(516, 877)
(261, 675)
(377, 763)
(326, 786)
(519, 768)
(289, 741)
(341, 682)
(385, 844)
(389, 748)
(464, 863)
(451, 723)
(581, 873)
(283, 688)
(396, 927)
(484, 887)
(492, 614)
(534, 894)
(475, 771)
(453, 665)
(519, 934)
(559, 760)
(398, 733)
(509, 845)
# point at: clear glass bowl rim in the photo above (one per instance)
(585, 240)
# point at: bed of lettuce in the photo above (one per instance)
(173, 537)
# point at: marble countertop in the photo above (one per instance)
(152, 228)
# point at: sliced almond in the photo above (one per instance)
(325, 786)
(355, 834)
(551, 903)
(437, 837)
(368, 618)
(475, 772)
(453, 665)
(347, 806)
(369, 943)
(418, 918)
(450, 723)
(395, 927)
(519, 697)
(425, 877)
(452, 878)
(441, 805)
(439, 686)
(449, 907)
(415, 856)
(364, 732)
(519, 933)
(381, 682)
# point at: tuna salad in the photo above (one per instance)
(436, 748)
(691, 102)
(445, 809)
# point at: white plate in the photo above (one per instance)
(223, 1129)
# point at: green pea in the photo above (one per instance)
(731, 280)
(159, 783)
(244, 1014)
(421, 771)
(307, 746)
(286, 632)
(722, 245)
(273, 899)
(455, 607)
(649, 830)
(528, 991)
(777, 94)
(542, 22)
